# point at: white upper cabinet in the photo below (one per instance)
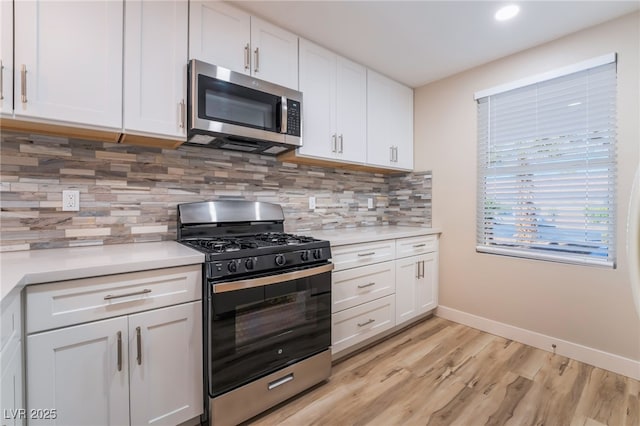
(334, 105)
(222, 35)
(389, 123)
(155, 67)
(6, 57)
(318, 87)
(68, 61)
(274, 54)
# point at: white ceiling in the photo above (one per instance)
(417, 42)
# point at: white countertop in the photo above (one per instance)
(365, 234)
(21, 268)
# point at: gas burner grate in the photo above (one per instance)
(280, 238)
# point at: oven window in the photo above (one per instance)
(234, 104)
(258, 321)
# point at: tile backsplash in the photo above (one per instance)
(129, 193)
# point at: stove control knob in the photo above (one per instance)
(304, 256)
(248, 264)
(232, 267)
(317, 253)
(280, 260)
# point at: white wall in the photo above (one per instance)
(589, 306)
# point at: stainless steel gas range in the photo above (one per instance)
(267, 306)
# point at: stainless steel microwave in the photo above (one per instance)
(231, 110)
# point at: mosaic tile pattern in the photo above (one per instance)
(129, 193)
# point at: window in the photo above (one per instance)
(547, 166)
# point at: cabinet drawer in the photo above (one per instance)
(359, 323)
(416, 245)
(76, 301)
(356, 286)
(353, 255)
(10, 320)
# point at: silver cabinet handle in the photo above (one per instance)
(135, 293)
(417, 270)
(139, 345)
(181, 111)
(366, 322)
(283, 114)
(119, 350)
(420, 266)
(366, 285)
(341, 143)
(281, 381)
(246, 56)
(23, 84)
(334, 145)
(1, 80)
(391, 152)
(371, 253)
(257, 60)
(419, 245)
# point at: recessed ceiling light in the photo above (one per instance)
(507, 12)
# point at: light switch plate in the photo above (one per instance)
(312, 203)
(370, 203)
(70, 201)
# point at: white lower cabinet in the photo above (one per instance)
(379, 286)
(142, 366)
(11, 388)
(165, 365)
(416, 279)
(80, 372)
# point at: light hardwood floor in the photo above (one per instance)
(442, 373)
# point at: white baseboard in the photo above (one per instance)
(607, 361)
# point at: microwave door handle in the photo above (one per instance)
(283, 115)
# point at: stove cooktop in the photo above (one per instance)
(230, 256)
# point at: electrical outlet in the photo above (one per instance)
(70, 201)
(369, 203)
(312, 203)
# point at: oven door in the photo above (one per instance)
(261, 324)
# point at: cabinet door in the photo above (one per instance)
(402, 110)
(274, 54)
(351, 110)
(416, 286)
(389, 123)
(68, 60)
(6, 57)
(406, 288)
(11, 384)
(155, 67)
(165, 359)
(220, 35)
(427, 285)
(81, 372)
(318, 85)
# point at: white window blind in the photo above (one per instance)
(547, 168)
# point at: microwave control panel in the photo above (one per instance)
(293, 117)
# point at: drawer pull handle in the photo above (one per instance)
(119, 350)
(281, 381)
(371, 253)
(366, 285)
(139, 345)
(135, 293)
(419, 245)
(366, 323)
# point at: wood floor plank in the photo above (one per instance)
(442, 373)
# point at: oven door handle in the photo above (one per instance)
(271, 279)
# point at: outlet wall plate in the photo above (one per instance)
(312, 203)
(70, 201)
